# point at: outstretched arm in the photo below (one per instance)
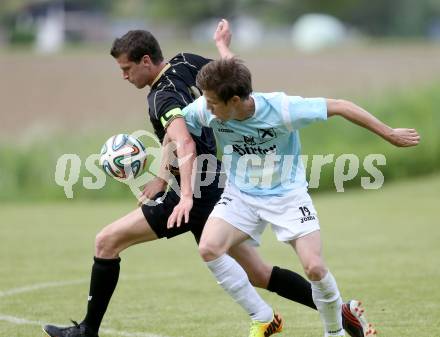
(399, 137)
(222, 38)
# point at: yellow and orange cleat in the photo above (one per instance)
(261, 329)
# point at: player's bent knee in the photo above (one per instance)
(209, 251)
(106, 245)
(315, 270)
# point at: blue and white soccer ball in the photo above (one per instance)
(123, 157)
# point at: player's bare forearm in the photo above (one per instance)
(222, 38)
(400, 137)
(185, 150)
(186, 153)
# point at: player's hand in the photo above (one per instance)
(404, 137)
(151, 189)
(222, 34)
(181, 210)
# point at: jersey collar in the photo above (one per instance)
(164, 69)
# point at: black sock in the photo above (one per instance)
(105, 274)
(292, 286)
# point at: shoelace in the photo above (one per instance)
(73, 330)
(75, 323)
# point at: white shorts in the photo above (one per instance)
(291, 215)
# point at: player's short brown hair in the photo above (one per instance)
(135, 44)
(226, 78)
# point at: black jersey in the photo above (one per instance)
(176, 88)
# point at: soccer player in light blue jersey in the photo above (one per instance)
(258, 133)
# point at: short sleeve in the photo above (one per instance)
(195, 116)
(299, 112)
(163, 101)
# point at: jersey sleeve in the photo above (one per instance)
(195, 116)
(165, 106)
(299, 112)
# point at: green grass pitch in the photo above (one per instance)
(383, 247)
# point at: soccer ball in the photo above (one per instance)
(123, 157)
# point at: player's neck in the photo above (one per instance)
(246, 109)
(158, 72)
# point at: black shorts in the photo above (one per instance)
(157, 215)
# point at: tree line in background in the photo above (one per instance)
(408, 18)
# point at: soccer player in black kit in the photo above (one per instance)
(172, 87)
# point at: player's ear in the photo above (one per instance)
(146, 60)
(235, 99)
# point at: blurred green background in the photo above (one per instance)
(61, 91)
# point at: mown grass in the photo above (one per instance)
(381, 245)
(28, 171)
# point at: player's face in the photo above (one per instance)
(222, 110)
(136, 73)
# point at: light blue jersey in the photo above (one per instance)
(261, 155)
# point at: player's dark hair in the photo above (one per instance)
(135, 44)
(227, 78)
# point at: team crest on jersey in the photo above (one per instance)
(250, 140)
(266, 135)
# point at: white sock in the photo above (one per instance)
(233, 279)
(327, 299)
